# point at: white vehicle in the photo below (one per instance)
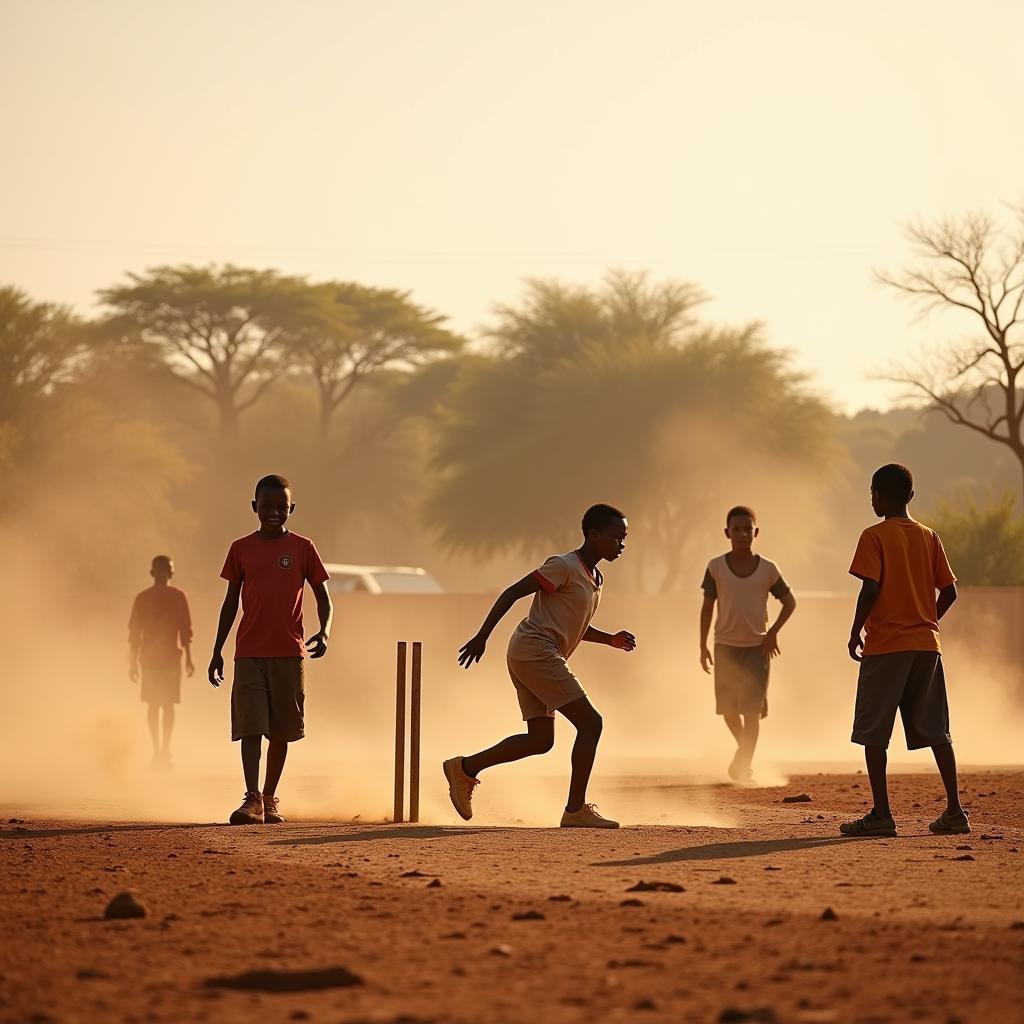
(380, 579)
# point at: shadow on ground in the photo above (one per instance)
(86, 830)
(398, 832)
(725, 851)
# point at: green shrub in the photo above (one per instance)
(985, 545)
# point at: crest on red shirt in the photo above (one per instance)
(285, 561)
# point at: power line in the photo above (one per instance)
(92, 246)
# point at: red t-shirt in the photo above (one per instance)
(160, 625)
(272, 573)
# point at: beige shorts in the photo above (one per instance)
(161, 686)
(544, 686)
(268, 697)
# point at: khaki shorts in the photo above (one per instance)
(268, 697)
(544, 686)
(161, 686)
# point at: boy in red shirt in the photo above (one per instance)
(159, 629)
(268, 570)
(901, 565)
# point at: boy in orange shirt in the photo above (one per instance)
(902, 564)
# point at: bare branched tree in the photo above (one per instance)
(974, 267)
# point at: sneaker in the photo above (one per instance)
(947, 824)
(586, 817)
(460, 787)
(735, 767)
(251, 811)
(271, 810)
(746, 780)
(870, 825)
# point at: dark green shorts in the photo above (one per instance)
(911, 682)
(741, 680)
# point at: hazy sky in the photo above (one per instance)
(768, 151)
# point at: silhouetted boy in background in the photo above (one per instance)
(159, 629)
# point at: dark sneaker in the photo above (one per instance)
(251, 811)
(870, 825)
(271, 810)
(586, 817)
(950, 824)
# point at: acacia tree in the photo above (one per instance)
(973, 267)
(349, 331)
(224, 330)
(41, 345)
(618, 395)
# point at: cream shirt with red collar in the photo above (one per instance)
(562, 609)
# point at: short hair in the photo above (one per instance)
(893, 481)
(273, 482)
(600, 517)
(164, 560)
(739, 510)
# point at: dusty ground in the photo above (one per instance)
(927, 928)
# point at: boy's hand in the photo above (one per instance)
(856, 644)
(316, 645)
(215, 673)
(190, 668)
(770, 645)
(472, 651)
(623, 641)
(706, 661)
(133, 671)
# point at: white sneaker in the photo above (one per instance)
(586, 817)
(460, 787)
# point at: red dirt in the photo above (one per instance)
(532, 925)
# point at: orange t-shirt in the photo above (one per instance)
(907, 561)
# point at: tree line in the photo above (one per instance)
(412, 440)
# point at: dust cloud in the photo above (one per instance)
(80, 746)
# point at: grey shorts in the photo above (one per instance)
(268, 697)
(741, 681)
(914, 683)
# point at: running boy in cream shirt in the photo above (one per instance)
(740, 582)
(567, 591)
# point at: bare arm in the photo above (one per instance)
(947, 595)
(771, 640)
(473, 650)
(185, 633)
(865, 602)
(707, 611)
(228, 611)
(317, 644)
(623, 640)
(134, 642)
